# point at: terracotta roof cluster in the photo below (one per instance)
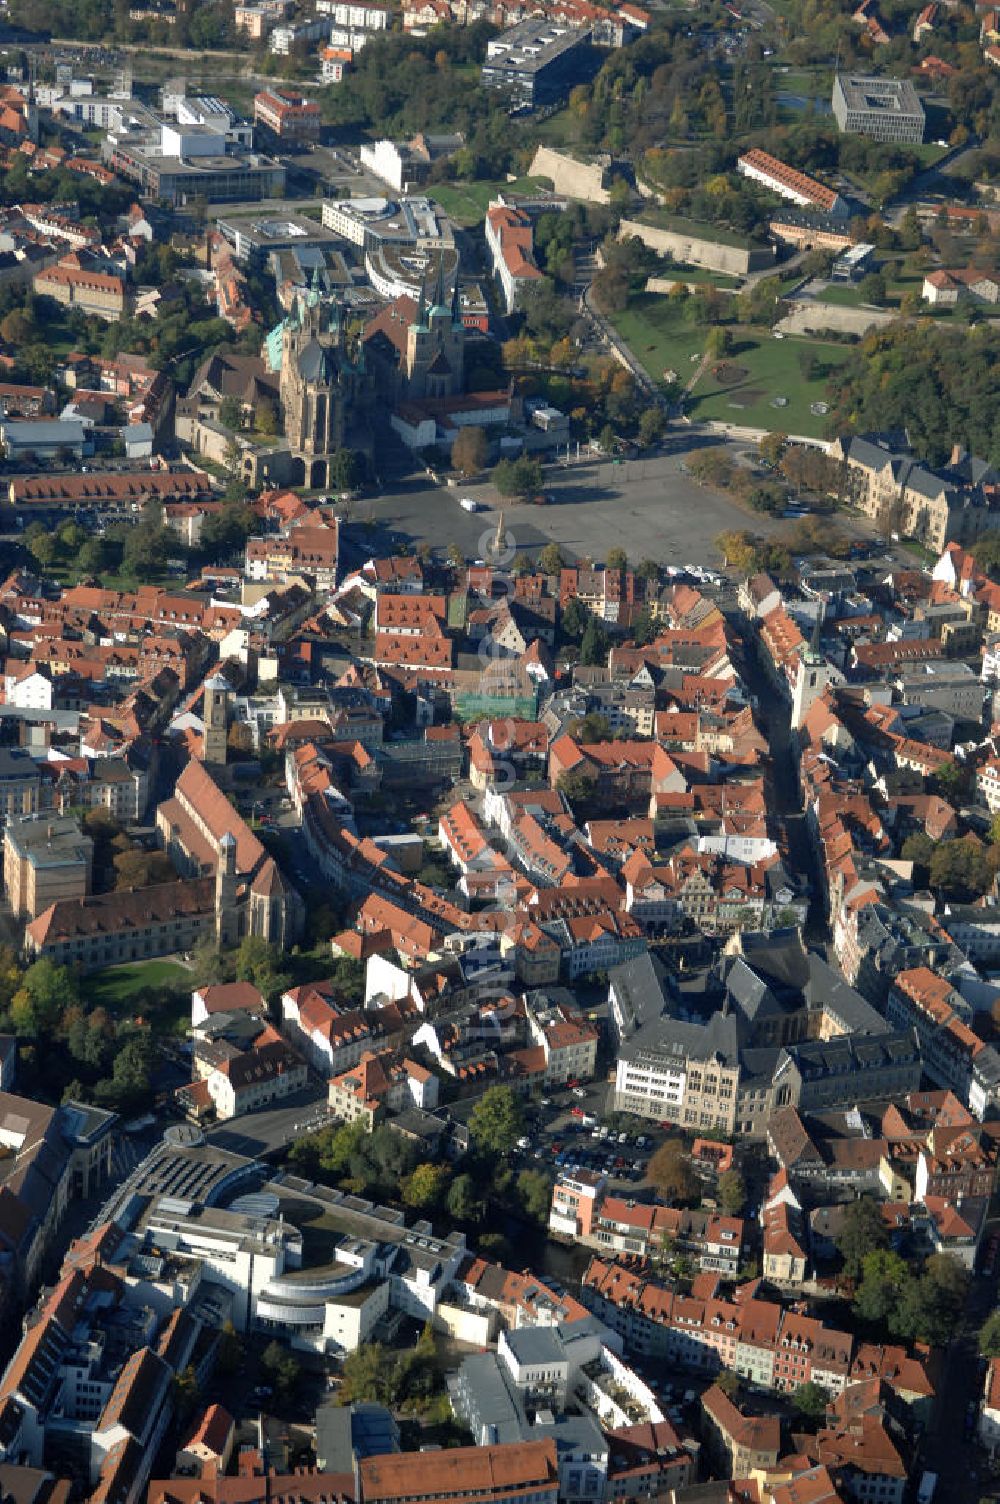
(719, 1324)
(512, 233)
(490, 1473)
(787, 178)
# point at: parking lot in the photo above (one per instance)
(568, 1130)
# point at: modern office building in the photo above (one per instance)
(887, 109)
(537, 63)
(182, 163)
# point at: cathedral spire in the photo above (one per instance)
(439, 289)
(422, 307)
(456, 303)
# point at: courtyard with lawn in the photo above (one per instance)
(158, 990)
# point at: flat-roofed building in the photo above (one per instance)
(45, 858)
(538, 62)
(44, 438)
(887, 109)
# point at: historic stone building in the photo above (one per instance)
(416, 351)
(323, 389)
(206, 837)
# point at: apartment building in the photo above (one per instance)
(379, 1083)
(308, 550)
(773, 1348)
(785, 1257)
(575, 1201)
(568, 1039)
(248, 1080)
(739, 1444)
(953, 1055)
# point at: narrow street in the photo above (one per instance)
(785, 795)
(947, 1449)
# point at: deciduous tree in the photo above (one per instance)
(469, 451)
(496, 1122)
(863, 1230)
(670, 1171)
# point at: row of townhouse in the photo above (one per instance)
(954, 1056)
(772, 1348)
(583, 1211)
(718, 896)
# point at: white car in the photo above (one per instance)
(578, 1091)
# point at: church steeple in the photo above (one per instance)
(422, 307)
(456, 304)
(814, 653)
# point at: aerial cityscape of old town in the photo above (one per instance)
(499, 752)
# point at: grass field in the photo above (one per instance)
(657, 332)
(842, 295)
(772, 370)
(116, 988)
(467, 203)
(655, 329)
(699, 276)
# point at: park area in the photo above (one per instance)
(762, 382)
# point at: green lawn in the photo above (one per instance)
(771, 370)
(116, 988)
(655, 329)
(467, 203)
(928, 152)
(815, 82)
(842, 294)
(698, 276)
(698, 229)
